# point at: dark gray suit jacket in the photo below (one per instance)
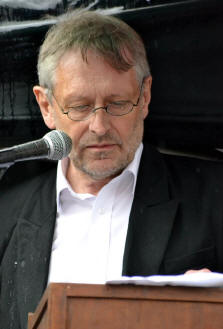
(176, 223)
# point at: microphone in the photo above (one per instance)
(55, 145)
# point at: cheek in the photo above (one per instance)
(62, 122)
(134, 133)
(58, 119)
(127, 127)
(77, 131)
(124, 131)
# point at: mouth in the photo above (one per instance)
(101, 147)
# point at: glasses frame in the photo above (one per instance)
(101, 107)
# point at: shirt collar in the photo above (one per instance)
(133, 167)
(63, 184)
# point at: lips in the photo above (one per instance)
(101, 146)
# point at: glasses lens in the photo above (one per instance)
(119, 109)
(80, 112)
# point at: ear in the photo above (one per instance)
(45, 106)
(147, 95)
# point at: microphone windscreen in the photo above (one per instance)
(60, 144)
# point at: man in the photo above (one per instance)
(114, 207)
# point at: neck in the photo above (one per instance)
(83, 183)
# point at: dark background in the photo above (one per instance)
(184, 42)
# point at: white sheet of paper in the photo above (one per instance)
(199, 279)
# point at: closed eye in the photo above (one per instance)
(80, 108)
(120, 103)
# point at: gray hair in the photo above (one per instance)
(107, 35)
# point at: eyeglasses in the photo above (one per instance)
(84, 112)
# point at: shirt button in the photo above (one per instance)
(101, 211)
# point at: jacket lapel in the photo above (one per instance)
(34, 236)
(151, 219)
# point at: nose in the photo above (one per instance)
(99, 122)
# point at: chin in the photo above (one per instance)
(102, 172)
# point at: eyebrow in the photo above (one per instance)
(78, 98)
(73, 98)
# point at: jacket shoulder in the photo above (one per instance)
(184, 172)
(24, 172)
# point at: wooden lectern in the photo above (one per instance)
(76, 306)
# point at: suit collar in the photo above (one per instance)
(35, 237)
(152, 182)
(151, 219)
(34, 249)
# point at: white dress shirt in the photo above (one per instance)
(90, 231)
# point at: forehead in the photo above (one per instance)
(74, 73)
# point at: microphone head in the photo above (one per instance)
(59, 143)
